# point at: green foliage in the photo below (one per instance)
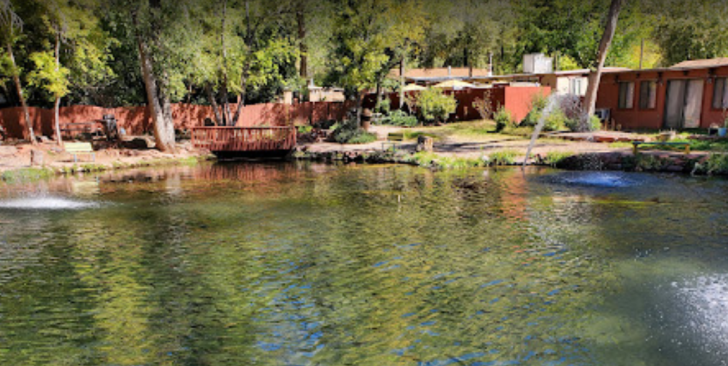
(433, 160)
(26, 175)
(716, 164)
(47, 75)
(400, 118)
(435, 106)
(504, 157)
(304, 129)
(349, 132)
(538, 104)
(553, 158)
(503, 119)
(555, 121)
(567, 62)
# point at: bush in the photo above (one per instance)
(348, 132)
(434, 106)
(595, 124)
(553, 158)
(304, 129)
(503, 119)
(400, 118)
(538, 104)
(555, 121)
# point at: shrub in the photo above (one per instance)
(595, 124)
(538, 104)
(303, 129)
(348, 132)
(502, 119)
(484, 105)
(400, 118)
(555, 121)
(505, 157)
(434, 106)
(553, 158)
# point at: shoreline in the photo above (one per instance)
(645, 161)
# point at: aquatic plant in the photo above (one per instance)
(26, 175)
(504, 157)
(553, 158)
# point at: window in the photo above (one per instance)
(626, 95)
(575, 86)
(648, 94)
(720, 93)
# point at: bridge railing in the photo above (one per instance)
(244, 138)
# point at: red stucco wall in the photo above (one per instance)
(516, 99)
(137, 120)
(636, 118)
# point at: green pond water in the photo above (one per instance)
(299, 264)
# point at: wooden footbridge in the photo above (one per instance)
(245, 141)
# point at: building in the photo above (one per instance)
(691, 94)
(439, 74)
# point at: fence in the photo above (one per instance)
(137, 120)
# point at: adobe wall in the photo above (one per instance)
(137, 120)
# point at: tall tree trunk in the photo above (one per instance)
(57, 105)
(401, 82)
(225, 95)
(358, 108)
(595, 75)
(302, 47)
(158, 103)
(213, 103)
(241, 102)
(248, 39)
(29, 134)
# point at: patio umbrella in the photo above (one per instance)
(413, 87)
(453, 84)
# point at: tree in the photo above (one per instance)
(242, 48)
(163, 33)
(371, 37)
(10, 31)
(691, 30)
(595, 75)
(53, 78)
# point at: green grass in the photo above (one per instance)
(26, 175)
(504, 157)
(553, 158)
(432, 160)
(620, 144)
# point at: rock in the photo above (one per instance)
(137, 143)
(8, 150)
(36, 157)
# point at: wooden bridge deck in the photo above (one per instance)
(232, 140)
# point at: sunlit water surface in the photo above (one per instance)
(285, 264)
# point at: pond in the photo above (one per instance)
(304, 264)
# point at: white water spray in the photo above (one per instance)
(46, 203)
(553, 102)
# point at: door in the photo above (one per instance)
(683, 104)
(693, 104)
(675, 104)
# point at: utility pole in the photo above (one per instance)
(642, 52)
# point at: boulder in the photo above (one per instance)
(8, 151)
